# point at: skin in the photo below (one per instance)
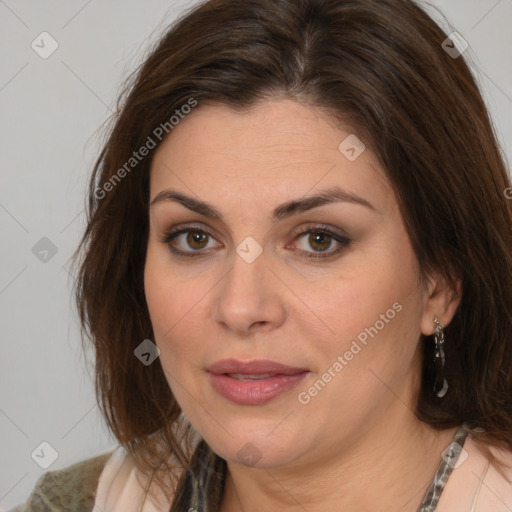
(357, 444)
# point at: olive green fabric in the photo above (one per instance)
(72, 489)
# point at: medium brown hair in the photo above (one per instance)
(376, 65)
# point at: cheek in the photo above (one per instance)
(374, 311)
(372, 299)
(166, 302)
(375, 315)
(177, 307)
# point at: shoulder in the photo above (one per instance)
(481, 480)
(497, 477)
(70, 488)
(122, 487)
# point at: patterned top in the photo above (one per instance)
(465, 481)
(449, 460)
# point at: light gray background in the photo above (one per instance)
(51, 110)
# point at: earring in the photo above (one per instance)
(440, 384)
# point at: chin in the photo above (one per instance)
(257, 443)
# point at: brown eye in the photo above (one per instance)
(319, 240)
(189, 241)
(196, 239)
(192, 241)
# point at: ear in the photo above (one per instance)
(440, 300)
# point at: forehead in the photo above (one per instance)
(276, 148)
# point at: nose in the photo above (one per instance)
(249, 297)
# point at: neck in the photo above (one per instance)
(388, 467)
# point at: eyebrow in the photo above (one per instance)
(284, 210)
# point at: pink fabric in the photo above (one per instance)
(473, 486)
(119, 490)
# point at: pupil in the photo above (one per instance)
(320, 238)
(196, 237)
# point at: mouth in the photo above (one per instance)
(255, 368)
(254, 382)
(248, 377)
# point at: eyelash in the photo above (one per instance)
(319, 229)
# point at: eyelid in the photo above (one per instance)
(342, 240)
(339, 237)
(318, 226)
(183, 228)
(179, 230)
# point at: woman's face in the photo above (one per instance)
(329, 289)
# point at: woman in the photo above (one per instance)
(297, 271)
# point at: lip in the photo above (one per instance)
(257, 392)
(254, 367)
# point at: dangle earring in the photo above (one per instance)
(440, 384)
